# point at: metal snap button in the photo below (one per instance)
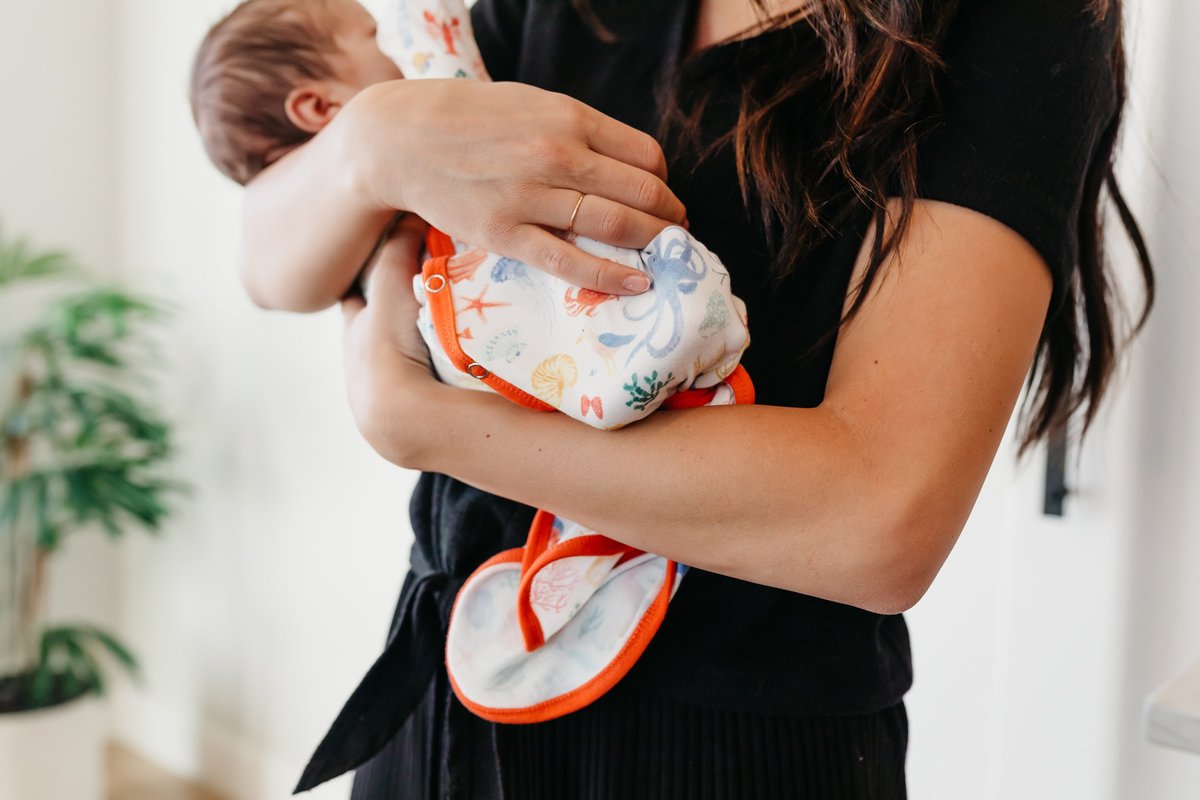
(435, 283)
(477, 370)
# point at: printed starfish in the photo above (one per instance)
(479, 305)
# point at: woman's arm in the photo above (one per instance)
(523, 155)
(858, 500)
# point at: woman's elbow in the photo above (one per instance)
(892, 595)
(898, 567)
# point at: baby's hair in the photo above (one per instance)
(246, 67)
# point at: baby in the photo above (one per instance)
(273, 73)
(539, 631)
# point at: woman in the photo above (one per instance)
(906, 195)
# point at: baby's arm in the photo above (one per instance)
(347, 236)
(428, 39)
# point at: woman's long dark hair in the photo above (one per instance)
(883, 58)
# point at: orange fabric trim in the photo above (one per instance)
(512, 555)
(590, 545)
(692, 398)
(538, 551)
(438, 244)
(738, 380)
(632, 554)
(594, 689)
(743, 387)
(443, 313)
(541, 534)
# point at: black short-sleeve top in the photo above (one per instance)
(1028, 89)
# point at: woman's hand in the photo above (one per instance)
(389, 380)
(498, 165)
(501, 165)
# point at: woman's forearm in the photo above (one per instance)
(779, 496)
(859, 500)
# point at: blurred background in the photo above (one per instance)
(269, 591)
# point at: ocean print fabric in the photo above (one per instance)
(543, 630)
(431, 39)
(605, 360)
(486, 658)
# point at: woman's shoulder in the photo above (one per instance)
(1027, 92)
(1033, 45)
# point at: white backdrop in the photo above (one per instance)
(57, 177)
(270, 594)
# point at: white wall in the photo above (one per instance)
(1161, 479)
(1039, 642)
(270, 595)
(57, 188)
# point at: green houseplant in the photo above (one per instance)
(80, 448)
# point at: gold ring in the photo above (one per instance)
(575, 213)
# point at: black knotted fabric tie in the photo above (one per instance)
(394, 685)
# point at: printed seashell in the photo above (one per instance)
(462, 267)
(422, 62)
(506, 345)
(553, 377)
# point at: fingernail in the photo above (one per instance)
(636, 283)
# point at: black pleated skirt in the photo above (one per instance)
(631, 745)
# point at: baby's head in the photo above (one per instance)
(274, 72)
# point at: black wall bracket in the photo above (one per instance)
(1054, 500)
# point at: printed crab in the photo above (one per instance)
(584, 301)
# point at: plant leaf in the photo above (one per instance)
(42, 686)
(83, 666)
(18, 263)
(115, 648)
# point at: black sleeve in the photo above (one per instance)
(1029, 87)
(498, 25)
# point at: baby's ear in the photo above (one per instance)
(311, 107)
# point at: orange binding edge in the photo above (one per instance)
(540, 549)
(594, 689)
(591, 545)
(436, 278)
